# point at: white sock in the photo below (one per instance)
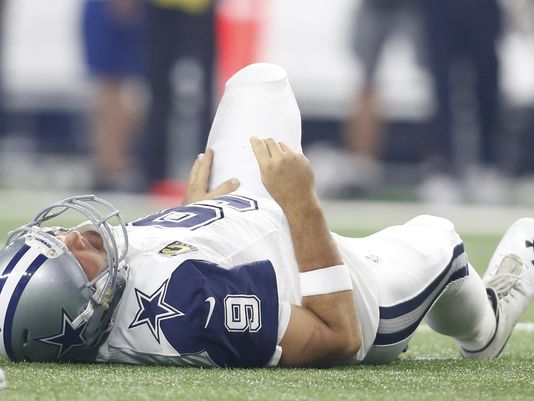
(464, 312)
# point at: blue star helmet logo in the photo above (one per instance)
(153, 309)
(68, 338)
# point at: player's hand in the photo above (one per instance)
(197, 187)
(286, 174)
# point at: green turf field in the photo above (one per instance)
(430, 370)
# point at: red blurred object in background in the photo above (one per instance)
(171, 190)
(239, 30)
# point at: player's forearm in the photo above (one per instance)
(315, 249)
(313, 244)
(326, 331)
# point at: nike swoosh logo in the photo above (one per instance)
(211, 301)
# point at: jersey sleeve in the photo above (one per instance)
(230, 314)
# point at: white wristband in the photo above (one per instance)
(325, 281)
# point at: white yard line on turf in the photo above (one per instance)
(472, 219)
(346, 215)
(526, 326)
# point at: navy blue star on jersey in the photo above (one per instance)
(153, 309)
(68, 337)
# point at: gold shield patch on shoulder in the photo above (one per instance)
(176, 248)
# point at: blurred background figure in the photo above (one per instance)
(376, 22)
(112, 36)
(462, 37)
(179, 60)
(355, 67)
(2, 116)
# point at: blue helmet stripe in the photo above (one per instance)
(11, 265)
(12, 307)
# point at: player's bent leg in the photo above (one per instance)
(257, 101)
(417, 263)
(510, 285)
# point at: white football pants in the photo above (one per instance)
(421, 272)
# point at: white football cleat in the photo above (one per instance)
(510, 285)
(517, 240)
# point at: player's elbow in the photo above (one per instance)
(337, 350)
(340, 349)
(348, 346)
(354, 345)
(342, 341)
(348, 337)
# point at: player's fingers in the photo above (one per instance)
(284, 147)
(273, 147)
(203, 173)
(225, 188)
(196, 166)
(260, 150)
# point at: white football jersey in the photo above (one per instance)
(210, 284)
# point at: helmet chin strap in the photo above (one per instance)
(102, 294)
(84, 316)
(101, 297)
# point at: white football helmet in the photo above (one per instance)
(49, 310)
